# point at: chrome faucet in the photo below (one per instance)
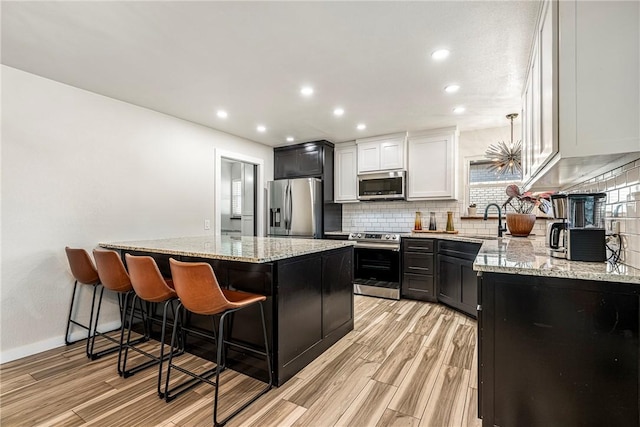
(486, 211)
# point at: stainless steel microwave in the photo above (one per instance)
(382, 186)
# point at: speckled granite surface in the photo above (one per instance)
(529, 256)
(245, 249)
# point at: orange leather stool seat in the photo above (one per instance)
(200, 293)
(149, 286)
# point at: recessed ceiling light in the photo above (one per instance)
(306, 91)
(261, 128)
(459, 110)
(451, 88)
(289, 139)
(440, 54)
(338, 111)
(222, 114)
(361, 126)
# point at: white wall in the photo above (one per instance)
(78, 169)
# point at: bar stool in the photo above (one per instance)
(149, 286)
(114, 277)
(84, 273)
(200, 293)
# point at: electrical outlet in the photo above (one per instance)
(207, 224)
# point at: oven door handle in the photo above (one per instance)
(377, 246)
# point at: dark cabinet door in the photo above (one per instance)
(457, 282)
(298, 162)
(285, 164)
(299, 307)
(449, 279)
(337, 291)
(559, 352)
(469, 287)
(310, 161)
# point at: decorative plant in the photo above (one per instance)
(472, 205)
(524, 203)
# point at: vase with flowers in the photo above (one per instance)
(521, 221)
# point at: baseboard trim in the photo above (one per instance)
(48, 344)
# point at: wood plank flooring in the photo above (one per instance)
(406, 363)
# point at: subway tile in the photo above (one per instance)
(633, 176)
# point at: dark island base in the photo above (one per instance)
(309, 308)
(558, 352)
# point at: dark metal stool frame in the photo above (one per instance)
(94, 284)
(123, 299)
(155, 359)
(220, 366)
(165, 304)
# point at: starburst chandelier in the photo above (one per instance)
(505, 157)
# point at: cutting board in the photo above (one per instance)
(436, 231)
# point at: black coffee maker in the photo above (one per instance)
(585, 233)
(579, 235)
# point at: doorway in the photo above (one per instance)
(239, 198)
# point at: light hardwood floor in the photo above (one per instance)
(406, 363)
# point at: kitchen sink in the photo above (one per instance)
(481, 237)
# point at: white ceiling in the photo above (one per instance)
(189, 59)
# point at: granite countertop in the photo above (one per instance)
(529, 256)
(232, 248)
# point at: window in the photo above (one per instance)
(486, 186)
(236, 198)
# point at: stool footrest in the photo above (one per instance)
(189, 384)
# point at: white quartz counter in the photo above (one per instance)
(529, 256)
(232, 248)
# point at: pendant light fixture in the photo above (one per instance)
(506, 157)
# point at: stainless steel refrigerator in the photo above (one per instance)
(295, 208)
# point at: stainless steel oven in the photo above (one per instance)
(376, 264)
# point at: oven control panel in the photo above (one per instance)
(376, 237)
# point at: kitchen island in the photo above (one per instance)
(307, 283)
(558, 340)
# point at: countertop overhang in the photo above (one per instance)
(231, 248)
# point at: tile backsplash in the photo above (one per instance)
(399, 217)
(622, 186)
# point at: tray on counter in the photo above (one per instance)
(436, 231)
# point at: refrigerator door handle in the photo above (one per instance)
(313, 211)
(289, 207)
(285, 207)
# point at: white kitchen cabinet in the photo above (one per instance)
(539, 110)
(380, 153)
(432, 164)
(346, 173)
(582, 99)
